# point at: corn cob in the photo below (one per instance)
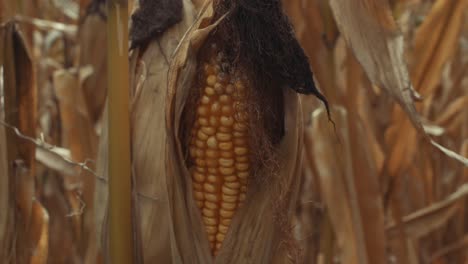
(219, 148)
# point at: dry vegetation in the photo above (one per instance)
(374, 188)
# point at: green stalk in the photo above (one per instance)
(120, 218)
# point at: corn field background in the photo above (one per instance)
(373, 189)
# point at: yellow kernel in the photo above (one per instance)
(223, 136)
(212, 238)
(211, 230)
(201, 135)
(228, 206)
(232, 185)
(202, 121)
(208, 130)
(211, 205)
(240, 151)
(242, 158)
(230, 178)
(226, 162)
(228, 197)
(228, 191)
(199, 153)
(220, 238)
(214, 121)
(226, 109)
(213, 170)
(199, 204)
(198, 177)
(226, 154)
(224, 129)
(242, 166)
(225, 99)
(200, 169)
(209, 213)
(213, 178)
(212, 142)
(212, 163)
(211, 80)
(225, 145)
(199, 143)
(210, 153)
(210, 221)
(209, 91)
(202, 110)
(211, 197)
(205, 99)
(215, 107)
(226, 121)
(223, 229)
(226, 213)
(226, 221)
(208, 187)
(200, 162)
(209, 69)
(226, 171)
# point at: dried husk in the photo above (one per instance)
(168, 224)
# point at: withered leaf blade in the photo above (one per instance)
(349, 184)
(370, 30)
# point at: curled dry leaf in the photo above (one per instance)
(370, 30)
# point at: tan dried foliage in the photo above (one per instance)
(375, 190)
(421, 191)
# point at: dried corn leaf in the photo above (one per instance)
(79, 136)
(349, 184)
(370, 30)
(426, 220)
(39, 235)
(19, 112)
(93, 43)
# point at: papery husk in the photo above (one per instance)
(257, 232)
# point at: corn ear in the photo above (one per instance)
(169, 224)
